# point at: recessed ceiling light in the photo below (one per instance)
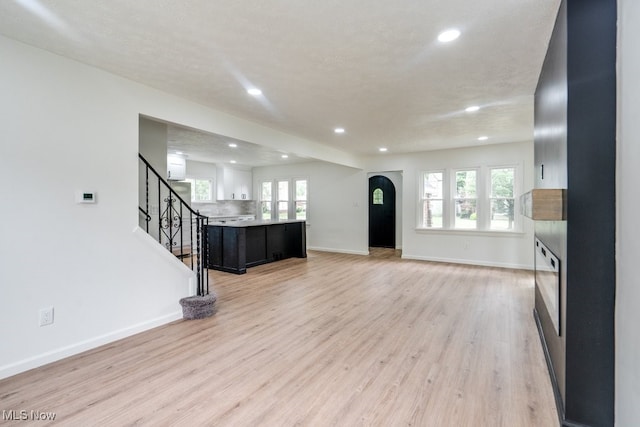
(472, 109)
(284, 156)
(232, 161)
(233, 145)
(382, 149)
(448, 35)
(178, 152)
(254, 91)
(483, 138)
(339, 130)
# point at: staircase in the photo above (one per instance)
(173, 223)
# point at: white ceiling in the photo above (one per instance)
(373, 67)
(212, 148)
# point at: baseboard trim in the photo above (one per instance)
(433, 259)
(567, 423)
(339, 251)
(468, 262)
(77, 348)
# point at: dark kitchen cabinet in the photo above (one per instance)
(296, 240)
(286, 241)
(276, 241)
(235, 247)
(256, 245)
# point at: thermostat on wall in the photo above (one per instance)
(86, 197)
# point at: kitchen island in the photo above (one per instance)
(234, 246)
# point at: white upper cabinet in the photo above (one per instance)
(176, 168)
(243, 183)
(234, 184)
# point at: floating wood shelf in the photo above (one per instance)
(543, 204)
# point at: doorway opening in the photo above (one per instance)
(382, 212)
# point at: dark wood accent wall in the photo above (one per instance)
(575, 148)
(550, 158)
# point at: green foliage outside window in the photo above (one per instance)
(377, 196)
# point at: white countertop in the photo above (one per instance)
(257, 222)
(231, 217)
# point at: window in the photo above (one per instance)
(201, 190)
(290, 199)
(482, 198)
(378, 197)
(283, 200)
(265, 200)
(301, 199)
(432, 198)
(502, 199)
(465, 199)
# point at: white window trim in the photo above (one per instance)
(291, 207)
(277, 199)
(261, 200)
(517, 189)
(483, 201)
(468, 232)
(212, 182)
(293, 181)
(421, 200)
(452, 197)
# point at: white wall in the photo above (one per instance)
(338, 206)
(337, 203)
(69, 127)
(152, 137)
(491, 249)
(628, 230)
(201, 170)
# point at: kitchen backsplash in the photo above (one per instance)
(227, 208)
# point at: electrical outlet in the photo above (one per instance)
(46, 316)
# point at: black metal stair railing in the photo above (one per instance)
(173, 223)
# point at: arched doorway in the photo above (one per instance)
(382, 212)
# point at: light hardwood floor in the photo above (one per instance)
(331, 340)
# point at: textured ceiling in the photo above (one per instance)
(373, 67)
(207, 147)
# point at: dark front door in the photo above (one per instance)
(382, 212)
